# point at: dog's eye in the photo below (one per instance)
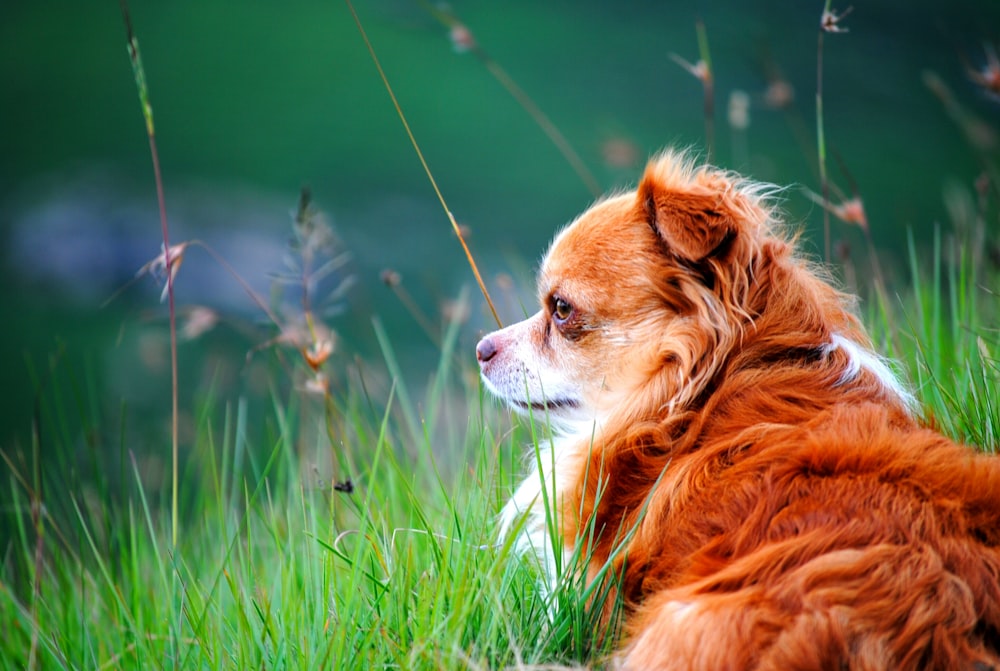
(561, 310)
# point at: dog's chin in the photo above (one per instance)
(562, 407)
(560, 415)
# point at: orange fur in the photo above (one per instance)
(796, 514)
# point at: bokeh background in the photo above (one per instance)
(253, 100)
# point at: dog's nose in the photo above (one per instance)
(486, 350)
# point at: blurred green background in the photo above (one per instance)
(253, 100)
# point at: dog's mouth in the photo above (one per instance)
(548, 405)
(522, 400)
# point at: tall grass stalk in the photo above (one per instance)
(463, 40)
(708, 85)
(423, 162)
(169, 263)
(702, 71)
(829, 23)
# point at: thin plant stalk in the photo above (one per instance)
(394, 281)
(430, 176)
(36, 498)
(147, 113)
(702, 71)
(880, 284)
(450, 21)
(257, 300)
(821, 138)
(709, 87)
(829, 23)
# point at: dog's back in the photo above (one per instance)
(852, 541)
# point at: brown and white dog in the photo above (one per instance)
(713, 393)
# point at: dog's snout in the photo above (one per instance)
(486, 349)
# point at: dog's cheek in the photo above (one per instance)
(579, 365)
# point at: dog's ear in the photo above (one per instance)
(694, 220)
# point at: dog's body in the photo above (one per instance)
(720, 412)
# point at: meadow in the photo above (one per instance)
(348, 521)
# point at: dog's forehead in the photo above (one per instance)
(599, 249)
(603, 231)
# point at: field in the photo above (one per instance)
(346, 518)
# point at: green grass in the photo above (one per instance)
(273, 568)
(945, 333)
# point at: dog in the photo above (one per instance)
(726, 439)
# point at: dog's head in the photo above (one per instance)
(646, 294)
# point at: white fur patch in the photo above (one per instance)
(863, 359)
(529, 383)
(536, 503)
(678, 611)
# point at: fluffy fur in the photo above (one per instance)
(796, 513)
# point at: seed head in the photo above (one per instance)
(830, 21)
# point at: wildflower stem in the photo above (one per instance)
(543, 121)
(254, 296)
(446, 18)
(36, 497)
(302, 217)
(821, 145)
(423, 162)
(147, 112)
(709, 87)
(418, 315)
